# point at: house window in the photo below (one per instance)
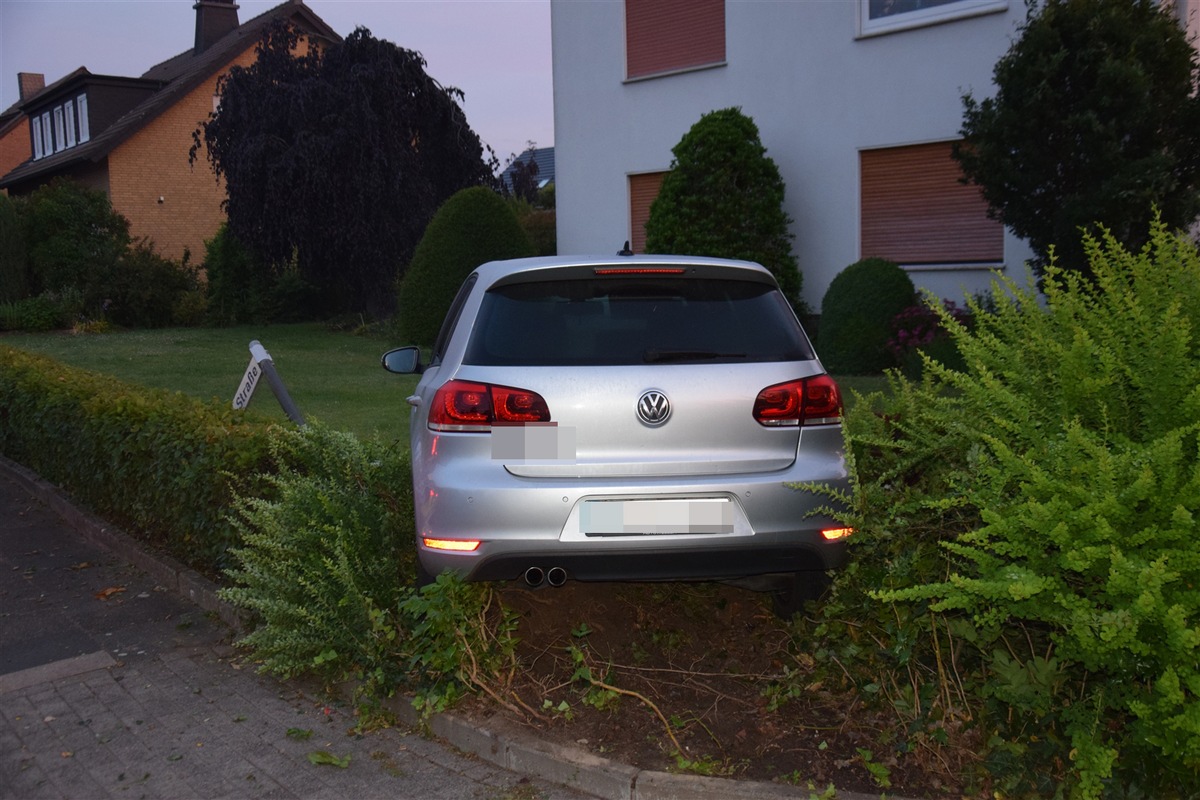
(916, 211)
(47, 135)
(60, 131)
(643, 188)
(885, 16)
(81, 104)
(665, 36)
(35, 128)
(69, 110)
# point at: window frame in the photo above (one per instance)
(919, 18)
(84, 126)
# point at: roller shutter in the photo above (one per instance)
(915, 210)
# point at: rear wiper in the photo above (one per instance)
(659, 356)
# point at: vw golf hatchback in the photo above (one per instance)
(625, 418)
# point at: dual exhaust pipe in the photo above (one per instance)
(536, 576)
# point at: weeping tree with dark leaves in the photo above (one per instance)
(1095, 120)
(334, 161)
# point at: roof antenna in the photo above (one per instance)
(625, 251)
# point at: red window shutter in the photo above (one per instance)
(915, 210)
(668, 35)
(643, 189)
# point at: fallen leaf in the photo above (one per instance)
(104, 594)
(81, 565)
(324, 757)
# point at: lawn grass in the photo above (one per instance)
(332, 377)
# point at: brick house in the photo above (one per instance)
(130, 137)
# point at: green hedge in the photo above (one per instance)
(159, 464)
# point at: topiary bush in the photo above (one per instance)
(857, 314)
(1025, 563)
(474, 226)
(724, 197)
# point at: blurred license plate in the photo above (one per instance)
(656, 517)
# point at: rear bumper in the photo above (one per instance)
(520, 522)
(641, 565)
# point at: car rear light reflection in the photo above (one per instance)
(808, 401)
(468, 406)
(833, 534)
(453, 545)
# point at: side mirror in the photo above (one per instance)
(403, 360)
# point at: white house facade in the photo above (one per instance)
(857, 101)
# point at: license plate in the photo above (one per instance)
(663, 517)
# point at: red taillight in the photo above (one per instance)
(808, 401)
(467, 406)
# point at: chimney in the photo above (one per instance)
(214, 19)
(30, 84)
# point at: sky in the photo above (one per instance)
(496, 51)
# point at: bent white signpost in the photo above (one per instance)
(262, 365)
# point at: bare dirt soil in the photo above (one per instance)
(698, 678)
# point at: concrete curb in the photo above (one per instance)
(497, 742)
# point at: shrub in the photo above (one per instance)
(1031, 523)
(144, 289)
(724, 197)
(238, 284)
(473, 227)
(918, 333)
(160, 464)
(856, 316)
(321, 561)
(75, 239)
(14, 256)
(39, 313)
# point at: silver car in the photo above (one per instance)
(625, 418)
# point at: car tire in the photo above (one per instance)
(799, 589)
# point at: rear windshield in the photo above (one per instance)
(611, 321)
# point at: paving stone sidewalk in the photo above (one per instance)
(113, 686)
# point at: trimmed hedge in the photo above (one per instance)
(162, 465)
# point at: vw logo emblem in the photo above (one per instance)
(653, 408)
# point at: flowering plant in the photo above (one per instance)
(918, 326)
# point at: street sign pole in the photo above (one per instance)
(260, 366)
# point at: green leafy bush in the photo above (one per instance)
(75, 239)
(238, 283)
(1030, 523)
(160, 464)
(144, 289)
(724, 197)
(857, 314)
(14, 255)
(325, 560)
(39, 313)
(474, 226)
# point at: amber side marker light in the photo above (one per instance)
(833, 534)
(456, 545)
